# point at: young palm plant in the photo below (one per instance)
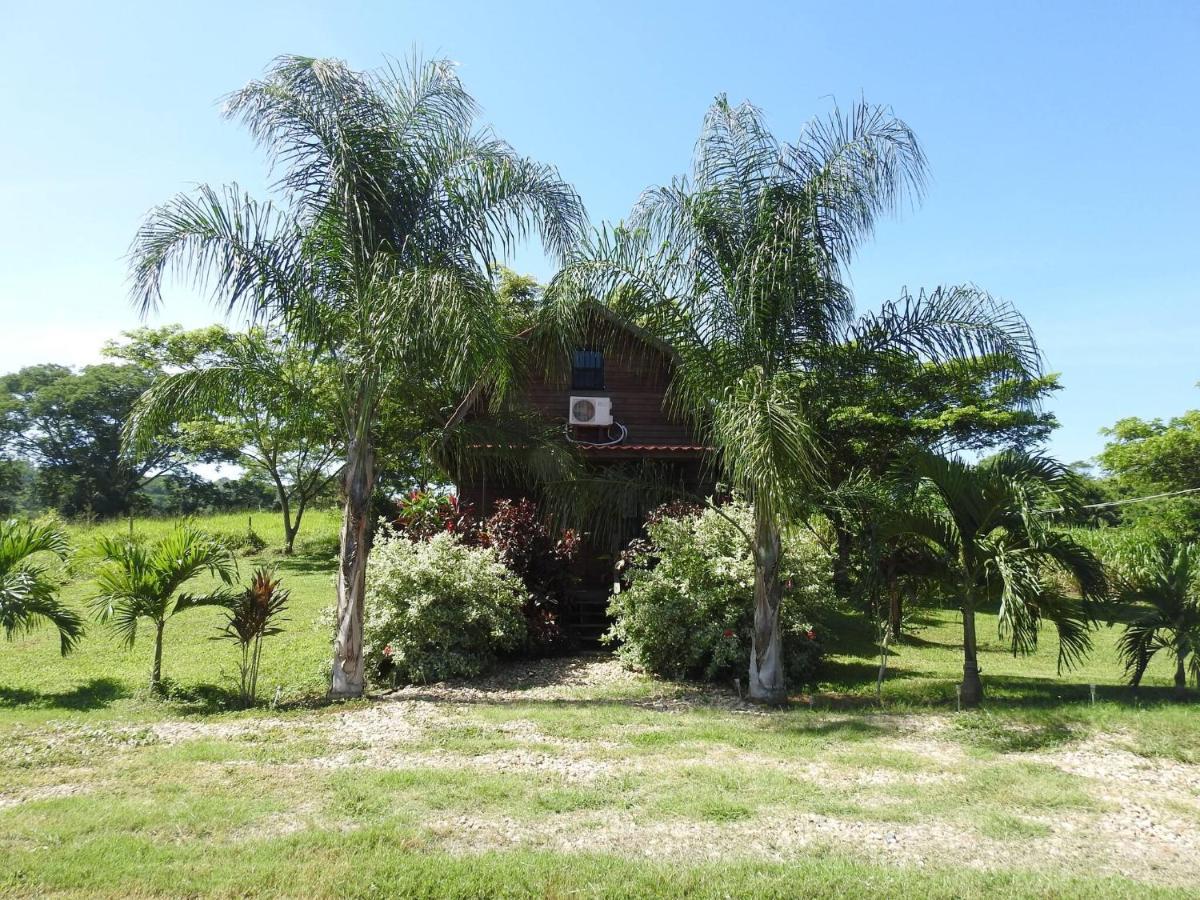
(251, 616)
(395, 208)
(1159, 600)
(740, 269)
(28, 592)
(137, 581)
(990, 524)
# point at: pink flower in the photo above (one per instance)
(812, 635)
(387, 651)
(728, 632)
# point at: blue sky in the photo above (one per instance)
(1063, 140)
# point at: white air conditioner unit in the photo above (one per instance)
(591, 411)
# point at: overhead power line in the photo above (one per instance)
(1131, 500)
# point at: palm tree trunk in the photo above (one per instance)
(767, 683)
(1136, 681)
(359, 481)
(972, 685)
(895, 609)
(156, 668)
(1180, 674)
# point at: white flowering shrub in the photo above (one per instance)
(437, 609)
(687, 606)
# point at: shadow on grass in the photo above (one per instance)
(94, 694)
(304, 564)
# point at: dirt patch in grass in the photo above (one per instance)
(578, 755)
(45, 792)
(595, 675)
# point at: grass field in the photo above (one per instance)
(573, 778)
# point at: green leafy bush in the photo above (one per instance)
(438, 609)
(686, 606)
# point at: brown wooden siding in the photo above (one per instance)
(636, 379)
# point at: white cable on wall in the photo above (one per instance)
(609, 443)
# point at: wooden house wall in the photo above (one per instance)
(636, 378)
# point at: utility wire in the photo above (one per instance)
(1130, 500)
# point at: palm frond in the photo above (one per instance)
(950, 323)
(243, 252)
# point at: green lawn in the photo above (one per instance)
(571, 778)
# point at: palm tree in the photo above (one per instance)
(740, 269)
(27, 591)
(395, 208)
(137, 581)
(990, 525)
(1159, 599)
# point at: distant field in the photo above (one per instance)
(572, 778)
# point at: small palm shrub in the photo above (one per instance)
(251, 616)
(686, 605)
(438, 609)
(1157, 598)
(138, 581)
(28, 590)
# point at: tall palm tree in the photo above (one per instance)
(27, 591)
(740, 268)
(1159, 601)
(990, 523)
(394, 208)
(137, 581)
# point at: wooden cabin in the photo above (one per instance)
(608, 402)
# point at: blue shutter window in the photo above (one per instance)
(587, 370)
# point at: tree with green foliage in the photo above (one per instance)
(869, 408)
(395, 207)
(1158, 599)
(16, 483)
(259, 398)
(740, 269)
(990, 524)
(28, 592)
(1145, 457)
(67, 425)
(137, 581)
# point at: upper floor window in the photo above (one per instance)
(587, 371)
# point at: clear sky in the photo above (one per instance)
(1063, 138)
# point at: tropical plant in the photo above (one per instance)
(396, 207)
(438, 609)
(991, 525)
(685, 608)
(28, 592)
(419, 515)
(251, 615)
(1158, 597)
(138, 581)
(740, 270)
(541, 557)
